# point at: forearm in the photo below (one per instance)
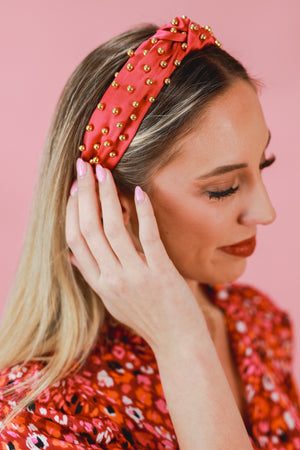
(200, 402)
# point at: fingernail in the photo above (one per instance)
(100, 173)
(139, 194)
(74, 188)
(81, 167)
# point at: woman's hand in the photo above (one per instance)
(147, 293)
(142, 290)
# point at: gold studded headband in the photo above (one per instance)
(123, 106)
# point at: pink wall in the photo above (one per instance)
(42, 42)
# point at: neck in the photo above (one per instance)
(211, 312)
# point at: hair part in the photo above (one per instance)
(53, 315)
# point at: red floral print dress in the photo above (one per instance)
(116, 401)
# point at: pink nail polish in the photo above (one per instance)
(139, 194)
(81, 167)
(100, 173)
(74, 188)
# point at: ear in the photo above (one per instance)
(130, 218)
(128, 208)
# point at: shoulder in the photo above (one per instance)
(255, 300)
(268, 323)
(14, 377)
(67, 414)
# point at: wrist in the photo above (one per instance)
(185, 344)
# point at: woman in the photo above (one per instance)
(138, 338)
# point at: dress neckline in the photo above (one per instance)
(254, 326)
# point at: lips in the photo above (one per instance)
(244, 248)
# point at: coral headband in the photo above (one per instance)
(123, 106)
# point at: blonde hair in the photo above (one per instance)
(52, 314)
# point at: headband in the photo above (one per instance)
(125, 103)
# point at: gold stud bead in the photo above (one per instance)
(81, 147)
(112, 154)
(122, 137)
(130, 88)
(183, 32)
(218, 44)
(135, 104)
(115, 111)
(203, 37)
(183, 17)
(116, 74)
(160, 51)
(167, 81)
(147, 68)
(145, 52)
(177, 62)
(163, 64)
(130, 52)
(173, 30)
(129, 67)
(133, 117)
(89, 127)
(104, 130)
(94, 160)
(194, 27)
(106, 144)
(151, 99)
(175, 22)
(154, 41)
(115, 84)
(100, 106)
(208, 28)
(119, 125)
(96, 147)
(149, 81)
(184, 46)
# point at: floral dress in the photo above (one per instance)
(116, 401)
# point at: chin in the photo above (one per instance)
(216, 271)
(227, 273)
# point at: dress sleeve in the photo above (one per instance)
(293, 391)
(49, 424)
(274, 408)
(27, 431)
(283, 355)
(290, 384)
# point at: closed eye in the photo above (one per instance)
(222, 194)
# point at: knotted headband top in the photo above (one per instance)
(120, 111)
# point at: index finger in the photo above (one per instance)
(89, 218)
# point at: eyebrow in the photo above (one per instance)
(228, 168)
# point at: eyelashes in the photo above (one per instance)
(267, 162)
(221, 194)
(232, 190)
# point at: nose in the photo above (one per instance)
(258, 208)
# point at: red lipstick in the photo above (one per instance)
(243, 248)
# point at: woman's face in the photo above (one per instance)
(193, 219)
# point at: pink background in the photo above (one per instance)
(42, 43)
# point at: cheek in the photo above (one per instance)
(191, 225)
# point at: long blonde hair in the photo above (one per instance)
(52, 314)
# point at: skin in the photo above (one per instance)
(148, 259)
(192, 226)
